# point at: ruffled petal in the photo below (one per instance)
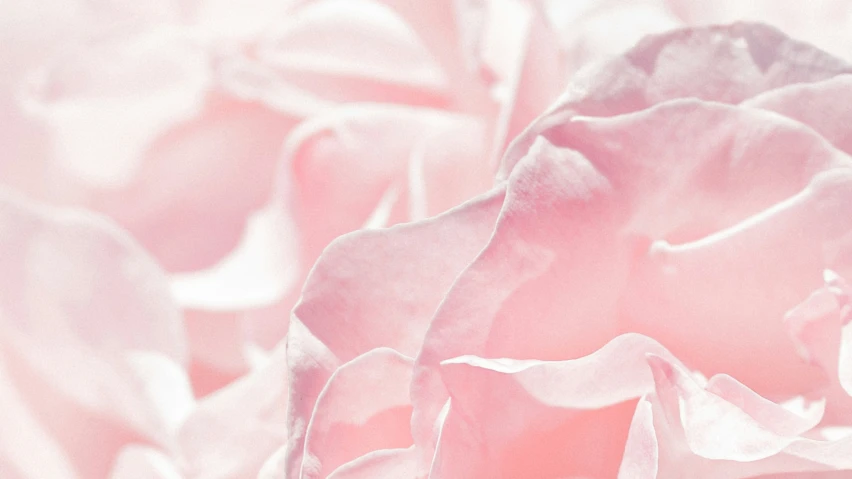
(542, 418)
(720, 63)
(814, 104)
(683, 420)
(825, 23)
(578, 232)
(364, 407)
(517, 54)
(377, 288)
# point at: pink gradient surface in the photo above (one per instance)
(425, 239)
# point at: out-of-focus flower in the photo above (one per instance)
(93, 350)
(684, 190)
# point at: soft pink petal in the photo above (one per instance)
(449, 31)
(689, 419)
(233, 431)
(364, 407)
(91, 337)
(323, 53)
(814, 104)
(335, 180)
(519, 57)
(518, 275)
(223, 159)
(27, 448)
(339, 177)
(129, 92)
(381, 464)
(721, 63)
(824, 23)
(641, 454)
(542, 418)
(376, 288)
(139, 461)
(258, 272)
(590, 30)
(780, 252)
(819, 327)
(218, 347)
(573, 244)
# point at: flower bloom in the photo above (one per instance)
(643, 293)
(659, 263)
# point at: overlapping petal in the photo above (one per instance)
(720, 63)
(682, 422)
(542, 418)
(580, 234)
(232, 432)
(376, 288)
(92, 342)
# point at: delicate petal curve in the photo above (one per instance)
(538, 418)
(349, 306)
(364, 407)
(746, 59)
(91, 337)
(625, 185)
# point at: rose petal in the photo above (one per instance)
(376, 288)
(449, 32)
(258, 272)
(139, 461)
(517, 51)
(382, 464)
(591, 30)
(825, 24)
(334, 181)
(587, 261)
(688, 421)
(820, 330)
(129, 92)
(522, 273)
(727, 223)
(364, 407)
(538, 418)
(744, 60)
(339, 177)
(324, 52)
(641, 454)
(234, 430)
(229, 150)
(85, 315)
(26, 446)
(814, 104)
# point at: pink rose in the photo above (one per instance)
(183, 171)
(692, 190)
